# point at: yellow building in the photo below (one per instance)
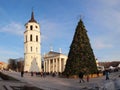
(54, 62)
(3, 65)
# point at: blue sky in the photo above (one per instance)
(58, 20)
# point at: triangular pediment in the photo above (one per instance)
(52, 54)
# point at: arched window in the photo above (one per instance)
(31, 27)
(37, 38)
(31, 37)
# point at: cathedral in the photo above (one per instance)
(32, 47)
(54, 62)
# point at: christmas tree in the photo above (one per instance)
(81, 56)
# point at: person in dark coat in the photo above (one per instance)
(31, 73)
(107, 74)
(81, 74)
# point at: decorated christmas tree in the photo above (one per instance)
(81, 56)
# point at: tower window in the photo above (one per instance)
(31, 27)
(36, 26)
(36, 38)
(26, 26)
(31, 37)
(31, 49)
(26, 38)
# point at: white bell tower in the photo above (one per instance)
(32, 47)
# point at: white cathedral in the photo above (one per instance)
(53, 61)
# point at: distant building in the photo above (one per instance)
(3, 65)
(54, 62)
(97, 63)
(108, 64)
(32, 47)
(118, 66)
(100, 68)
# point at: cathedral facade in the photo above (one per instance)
(54, 62)
(32, 47)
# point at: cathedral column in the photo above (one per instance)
(64, 64)
(62, 61)
(49, 65)
(59, 64)
(44, 65)
(56, 65)
(53, 65)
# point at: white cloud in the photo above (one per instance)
(51, 30)
(6, 53)
(105, 19)
(9, 51)
(110, 2)
(48, 29)
(13, 28)
(106, 43)
(100, 44)
(56, 34)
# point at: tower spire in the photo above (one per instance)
(32, 17)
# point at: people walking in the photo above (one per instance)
(107, 74)
(22, 73)
(81, 74)
(88, 77)
(31, 73)
(97, 73)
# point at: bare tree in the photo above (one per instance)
(12, 64)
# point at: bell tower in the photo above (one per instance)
(32, 47)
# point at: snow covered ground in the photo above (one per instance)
(56, 83)
(102, 84)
